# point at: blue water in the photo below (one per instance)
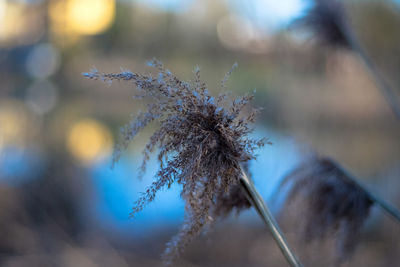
(270, 14)
(117, 189)
(19, 165)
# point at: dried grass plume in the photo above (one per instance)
(328, 203)
(201, 143)
(326, 20)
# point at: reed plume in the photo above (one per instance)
(333, 206)
(325, 21)
(201, 141)
(328, 21)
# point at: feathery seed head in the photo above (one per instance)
(202, 142)
(334, 205)
(326, 19)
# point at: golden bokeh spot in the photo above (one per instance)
(81, 17)
(90, 16)
(13, 123)
(89, 141)
(10, 25)
(19, 24)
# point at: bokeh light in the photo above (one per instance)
(90, 16)
(239, 33)
(89, 141)
(13, 123)
(10, 25)
(43, 61)
(41, 97)
(18, 24)
(87, 17)
(235, 31)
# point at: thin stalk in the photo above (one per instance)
(391, 99)
(387, 207)
(380, 82)
(257, 201)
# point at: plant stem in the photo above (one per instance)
(390, 97)
(389, 208)
(257, 201)
(383, 86)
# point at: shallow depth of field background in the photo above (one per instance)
(62, 205)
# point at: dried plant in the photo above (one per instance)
(332, 204)
(328, 21)
(324, 19)
(201, 140)
(234, 199)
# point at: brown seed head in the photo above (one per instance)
(326, 20)
(333, 206)
(201, 143)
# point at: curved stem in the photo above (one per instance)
(257, 201)
(383, 86)
(390, 97)
(387, 207)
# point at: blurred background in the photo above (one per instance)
(62, 205)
